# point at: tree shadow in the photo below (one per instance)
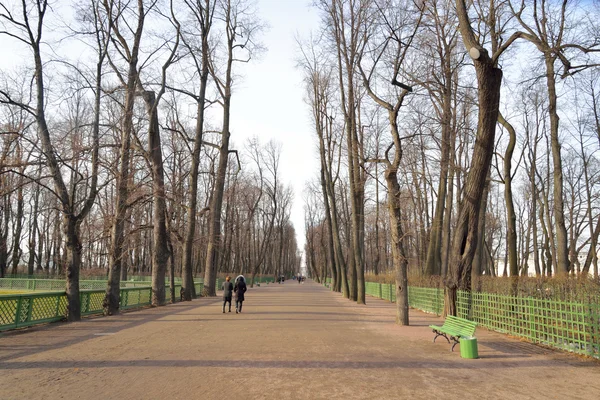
(69, 333)
(289, 364)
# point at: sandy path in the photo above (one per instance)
(292, 342)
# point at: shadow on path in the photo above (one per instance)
(63, 334)
(261, 364)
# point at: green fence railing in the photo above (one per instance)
(21, 310)
(44, 276)
(570, 326)
(20, 284)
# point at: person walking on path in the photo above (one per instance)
(227, 292)
(239, 289)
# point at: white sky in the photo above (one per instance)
(269, 101)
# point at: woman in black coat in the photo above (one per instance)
(239, 289)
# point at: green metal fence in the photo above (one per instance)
(20, 284)
(430, 300)
(21, 310)
(570, 326)
(137, 278)
(59, 285)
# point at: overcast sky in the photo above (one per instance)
(269, 102)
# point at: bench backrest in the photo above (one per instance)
(462, 326)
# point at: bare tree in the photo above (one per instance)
(28, 31)
(489, 80)
(398, 29)
(241, 28)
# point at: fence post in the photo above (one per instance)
(18, 313)
(531, 319)
(391, 288)
(57, 305)
(29, 309)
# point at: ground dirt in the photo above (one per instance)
(291, 342)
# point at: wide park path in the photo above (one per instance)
(292, 342)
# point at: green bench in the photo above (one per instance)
(455, 328)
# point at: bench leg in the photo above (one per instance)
(455, 343)
(437, 334)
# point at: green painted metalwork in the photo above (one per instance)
(21, 310)
(570, 326)
(430, 300)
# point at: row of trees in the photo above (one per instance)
(116, 150)
(474, 124)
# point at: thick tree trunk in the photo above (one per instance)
(214, 226)
(511, 218)
(465, 239)
(16, 250)
(357, 271)
(592, 256)
(562, 251)
(214, 234)
(446, 234)
(160, 250)
(40, 250)
(433, 264)
(398, 253)
(73, 247)
(113, 289)
(187, 281)
(33, 232)
(479, 257)
(326, 184)
(4, 235)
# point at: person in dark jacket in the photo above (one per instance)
(227, 292)
(239, 289)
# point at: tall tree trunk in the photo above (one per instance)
(4, 234)
(433, 264)
(489, 80)
(511, 218)
(214, 234)
(398, 253)
(40, 251)
(562, 252)
(113, 289)
(33, 232)
(16, 250)
(479, 257)
(73, 264)
(187, 283)
(160, 250)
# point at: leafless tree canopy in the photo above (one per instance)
(456, 139)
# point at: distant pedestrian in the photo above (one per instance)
(227, 293)
(239, 289)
